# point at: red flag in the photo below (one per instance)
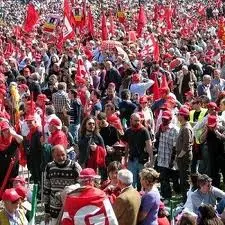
(112, 27)
(104, 28)
(168, 18)
(90, 23)
(155, 89)
(32, 17)
(141, 21)
(156, 53)
(88, 206)
(164, 83)
(67, 31)
(81, 71)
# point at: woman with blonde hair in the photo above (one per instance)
(150, 201)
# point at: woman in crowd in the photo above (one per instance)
(110, 186)
(150, 201)
(187, 219)
(207, 216)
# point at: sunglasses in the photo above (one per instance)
(90, 123)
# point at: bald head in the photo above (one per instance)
(135, 120)
(59, 154)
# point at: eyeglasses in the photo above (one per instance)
(90, 123)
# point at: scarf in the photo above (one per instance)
(32, 131)
(5, 143)
(140, 126)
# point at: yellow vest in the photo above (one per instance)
(5, 221)
(200, 118)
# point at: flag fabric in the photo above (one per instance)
(156, 52)
(32, 17)
(88, 206)
(90, 23)
(68, 32)
(81, 71)
(164, 83)
(104, 28)
(155, 89)
(141, 21)
(168, 18)
(112, 27)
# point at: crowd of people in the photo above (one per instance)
(111, 130)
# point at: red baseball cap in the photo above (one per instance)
(212, 105)
(56, 123)
(189, 93)
(212, 121)
(10, 195)
(88, 173)
(42, 97)
(22, 191)
(167, 115)
(23, 86)
(184, 111)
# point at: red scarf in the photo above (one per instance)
(5, 143)
(140, 126)
(32, 131)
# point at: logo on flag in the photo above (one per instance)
(51, 23)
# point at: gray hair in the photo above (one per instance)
(125, 176)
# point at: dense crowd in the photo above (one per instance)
(118, 122)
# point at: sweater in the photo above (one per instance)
(57, 177)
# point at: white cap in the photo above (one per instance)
(125, 176)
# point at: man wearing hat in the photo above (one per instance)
(33, 149)
(127, 204)
(87, 204)
(167, 136)
(11, 213)
(184, 146)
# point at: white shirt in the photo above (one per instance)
(141, 88)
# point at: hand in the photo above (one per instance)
(47, 218)
(12, 132)
(110, 149)
(93, 147)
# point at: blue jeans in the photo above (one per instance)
(135, 167)
(74, 129)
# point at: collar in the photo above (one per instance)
(124, 189)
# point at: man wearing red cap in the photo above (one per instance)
(33, 149)
(166, 137)
(87, 204)
(57, 135)
(12, 214)
(184, 146)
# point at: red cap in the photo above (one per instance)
(167, 115)
(212, 121)
(4, 125)
(136, 78)
(23, 86)
(189, 93)
(20, 179)
(184, 111)
(88, 173)
(143, 99)
(22, 191)
(212, 105)
(56, 123)
(42, 97)
(10, 195)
